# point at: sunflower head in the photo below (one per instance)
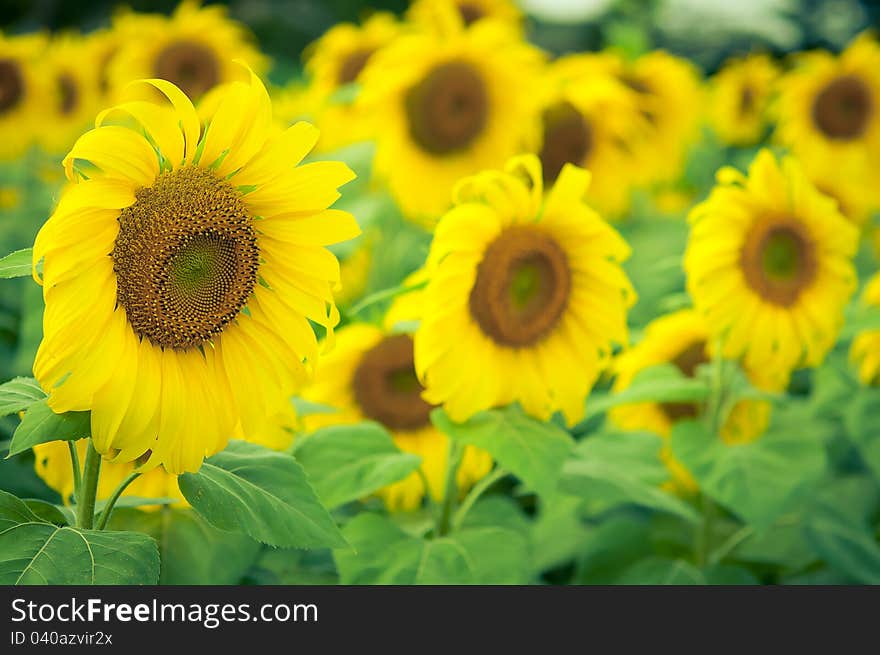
(739, 97)
(865, 349)
(434, 14)
(24, 94)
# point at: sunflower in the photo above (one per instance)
(681, 339)
(369, 375)
(592, 120)
(865, 349)
(525, 295)
(425, 12)
(452, 103)
(69, 68)
(829, 108)
(769, 266)
(194, 253)
(857, 197)
(194, 49)
(739, 97)
(23, 96)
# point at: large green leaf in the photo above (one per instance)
(622, 468)
(40, 425)
(611, 547)
(532, 450)
(847, 546)
(18, 394)
(347, 462)
(662, 571)
(862, 421)
(262, 493)
(17, 264)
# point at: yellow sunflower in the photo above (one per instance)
(181, 270)
(769, 266)
(739, 97)
(592, 120)
(525, 296)
(194, 49)
(680, 338)
(23, 94)
(865, 349)
(829, 108)
(425, 12)
(69, 69)
(370, 375)
(857, 197)
(452, 103)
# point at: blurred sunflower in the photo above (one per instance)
(354, 270)
(425, 12)
(681, 339)
(370, 375)
(857, 197)
(829, 108)
(769, 266)
(336, 61)
(525, 295)
(70, 70)
(23, 93)
(592, 120)
(865, 349)
(195, 49)
(739, 97)
(196, 255)
(452, 102)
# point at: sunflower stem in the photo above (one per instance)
(714, 415)
(450, 492)
(77, 470)
(85, 502)
(108, 508)
(474, 496)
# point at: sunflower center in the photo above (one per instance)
(746, 100)
(568, 138)
(448, 109)
(68, 93)
(191, 66)
(11, 84)
(522, 287)
(469, 12)
(843, 108)
(185, 259)
(353, 64)
(686, 361)
(386, 387)
(779, 261)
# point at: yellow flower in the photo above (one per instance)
(680, 338)
(829, 108)
(525, 295)
(769, 266)
(865, 350)
(370, 375)
(591, 119)
(853, 191)
(739, 96)
(353, 273)
(428, 13)
(450, 103)
(23, 93)
(194, 49)
(181, 270)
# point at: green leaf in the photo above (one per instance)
(18, 394)
(726, 574)
(279, 566)
(756, 481)
(40, 425)
(662, 571)
(862, 419)
(17, 264)
(192, 552)
(558, 533)
(135, 501)
(347, 462)
(532, 450)
(623, 468)
(262, 493)
(845, 545)
(50, 513)
(610, 548)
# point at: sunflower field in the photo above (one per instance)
(442, 292)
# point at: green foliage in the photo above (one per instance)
(41, 425)
(18, 394)
(17, 264)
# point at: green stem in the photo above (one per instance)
(450, 490)
(475, 494)
(77, 470)
(732, 542)
(714, 414)
(108, 508)
(85, 502)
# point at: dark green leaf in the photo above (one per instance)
(40, 425)
(845, 545)
(662, 571)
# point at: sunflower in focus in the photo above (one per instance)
(769, 266)
(427, 12)
(452, 102)
(829, 108)
(680, 339)
(23, 95)
(67, 66)
(865, 349)
(195, 256)
(739, 97)
(592, 120)
(369, 375)
(525, 295)
(195, 49)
